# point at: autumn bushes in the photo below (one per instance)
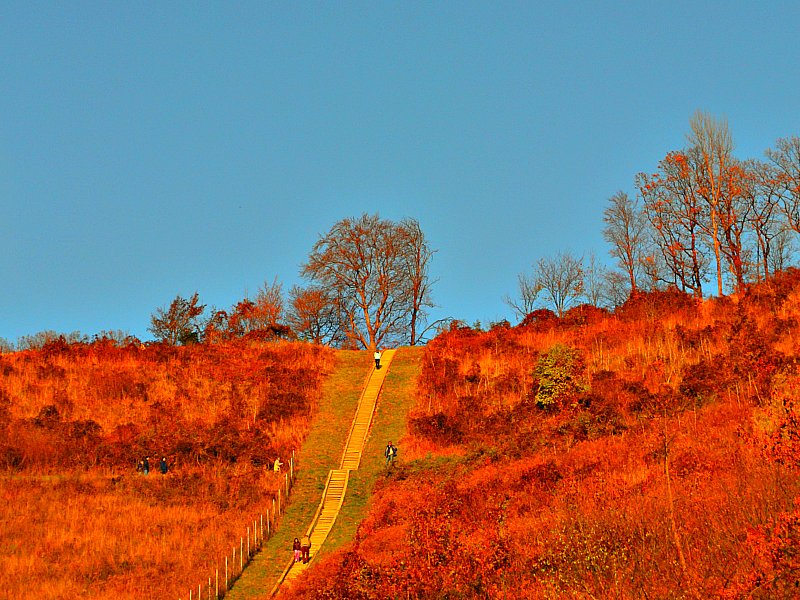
(647, 453)
(74, 419)
(99, 404)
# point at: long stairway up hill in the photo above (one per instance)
(336, 487)
(342, 452)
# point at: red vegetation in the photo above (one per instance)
(650, 453)
(74, 420)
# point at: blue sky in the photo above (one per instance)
(155, 149)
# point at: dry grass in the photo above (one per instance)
(77, 520)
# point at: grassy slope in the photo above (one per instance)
(320, 453)
(396, 400)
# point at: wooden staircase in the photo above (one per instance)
(336, 485)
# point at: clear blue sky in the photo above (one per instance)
(155, 149)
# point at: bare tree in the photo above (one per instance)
(379, 283)
(783, 251)
(760, 191)
(711, 147)
(560, 280)
(785, 159)
(528, 292)
(416, 255)
(594, 282)
(625, 230)
(615, 289)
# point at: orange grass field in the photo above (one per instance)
(77, 520)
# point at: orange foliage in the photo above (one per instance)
(671, 473)
(78, 520)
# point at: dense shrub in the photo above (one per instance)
(559, 375)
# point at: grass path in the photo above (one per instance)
(389, 423)
(322, 452)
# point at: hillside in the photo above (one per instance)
(649, 453)
(77, 518)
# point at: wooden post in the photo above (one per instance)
(209, 588)
(248, 543)
(216, 583)
(226, 575)
(262, 527)
(241, 558)
(199, 591)
(269, 533)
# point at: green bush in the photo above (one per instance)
(560, 375)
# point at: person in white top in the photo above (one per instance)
(377, 356)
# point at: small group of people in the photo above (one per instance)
(302, 549)
(143, 466)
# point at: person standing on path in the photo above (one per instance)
(146, 465)
(377, 356)
(297, 550)
(163, 465)
(390, 453)
(305, 548)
